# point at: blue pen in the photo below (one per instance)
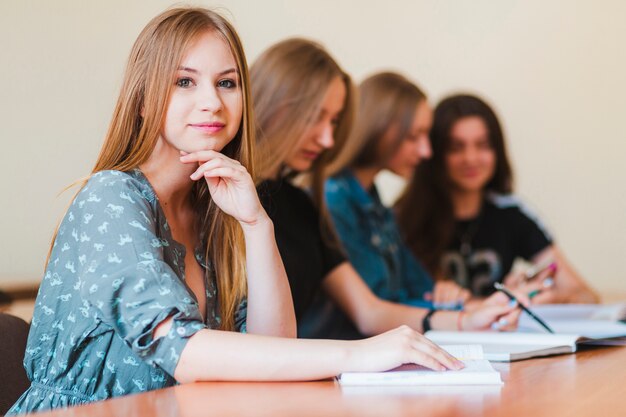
(509, 294)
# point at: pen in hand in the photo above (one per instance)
(537, 269)
(509, 294)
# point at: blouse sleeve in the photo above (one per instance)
(123, 278)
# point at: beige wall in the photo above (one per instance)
(554, 69)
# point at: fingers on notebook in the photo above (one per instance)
(433, 356)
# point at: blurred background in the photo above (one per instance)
(554, 71)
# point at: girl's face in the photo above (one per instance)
(470, 158)
(415, 146)
(205, 108)
(320, 134)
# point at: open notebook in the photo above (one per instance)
(477, 371)
(574, 325)
(588, 320)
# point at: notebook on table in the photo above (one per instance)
(575, 325)
(477, 371)
(594, 313)
(506, 347)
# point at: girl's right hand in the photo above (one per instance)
(447, 292)
(397, 347)
(541, 288)
(230, 185)
(495, 312)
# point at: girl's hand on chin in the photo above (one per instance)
(230, 185)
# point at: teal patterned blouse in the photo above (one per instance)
(114, 274)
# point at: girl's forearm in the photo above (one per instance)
(371, 314)
(270, 306)
(213, 355)
(229, 356)
(389, 315)
(386, 315)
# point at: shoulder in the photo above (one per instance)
(514, 207)
(511, 203)
(294, 193)
(111, 183)
(114, 189)
(279, 196)
(338, 183)
(114, 194)
(503, 201)
(337, 190)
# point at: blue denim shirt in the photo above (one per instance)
(370, 235)
(372, 241)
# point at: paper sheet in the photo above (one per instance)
(464, 352)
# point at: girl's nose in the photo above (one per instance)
(211, 101)
(326, 138)
(424, 149)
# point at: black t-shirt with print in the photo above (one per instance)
(484, 248)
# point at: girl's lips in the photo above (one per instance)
(310, 154)
(208, 127)
(470, 173)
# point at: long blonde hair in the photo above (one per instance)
(289, 81)
(138, 119)
(386, 100)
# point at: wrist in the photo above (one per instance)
(262, 222)
(446, 320)
(472, 304)
(460, 321)
(426, 324)
(348, 355)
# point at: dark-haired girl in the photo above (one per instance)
(459, 216)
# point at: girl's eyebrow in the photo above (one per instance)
(228, 71)
(195, 71)
(187, 69)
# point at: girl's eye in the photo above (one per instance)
(184, 82)
(315, 119)
(227, 83)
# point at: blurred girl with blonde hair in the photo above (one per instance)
(303, 102)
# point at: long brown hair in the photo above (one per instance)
(289, 81)
(425, 211)
(138, 119)
(386, 100)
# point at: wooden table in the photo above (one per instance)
(589, 383)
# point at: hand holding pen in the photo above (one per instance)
(500, 287)
(536, 280)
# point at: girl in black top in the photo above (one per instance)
(458, 215)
